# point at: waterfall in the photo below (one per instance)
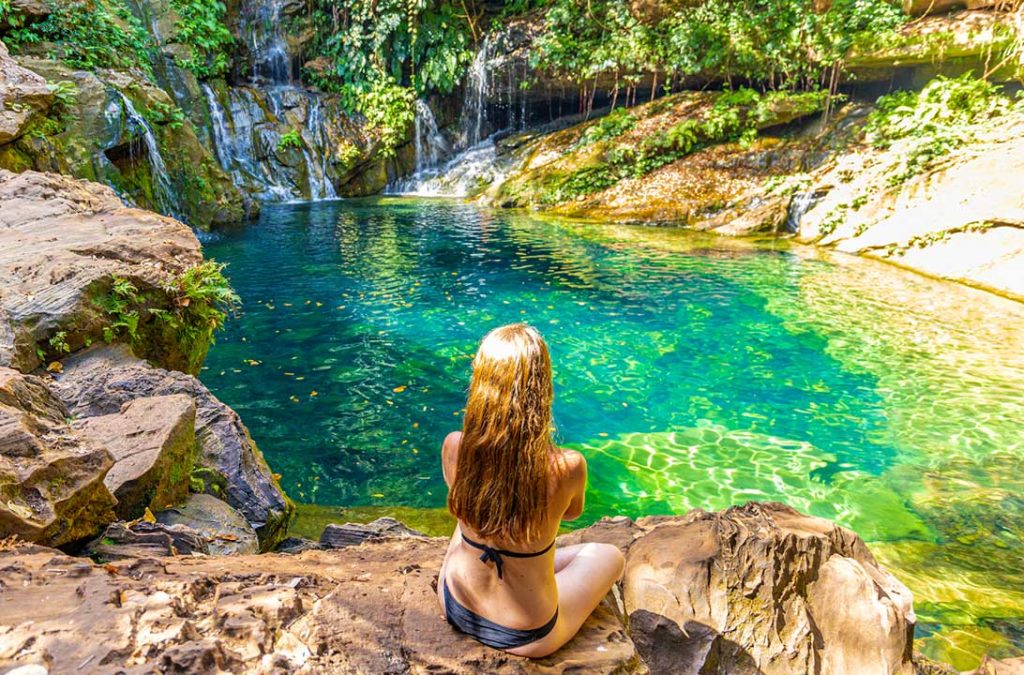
(430, 144)
(247, 132)
(474, 105)
(800, 204)
(270, 58)
(163, 190)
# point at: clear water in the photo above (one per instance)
(691, 371)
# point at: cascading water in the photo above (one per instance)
(248, 123)
(271, 61)
(798, 206)
(163, 190)
(493, 103)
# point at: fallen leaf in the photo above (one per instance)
(55, 367)
(399, 389)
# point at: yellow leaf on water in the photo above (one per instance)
(294, 399)
(603, 435)
(319, 304)
(313, 393)
(415, 425)
(399, 389)
(377, 495)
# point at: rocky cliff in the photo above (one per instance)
(99, 328)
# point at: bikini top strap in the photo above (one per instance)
(495, 554)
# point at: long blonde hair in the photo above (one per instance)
(501, 481)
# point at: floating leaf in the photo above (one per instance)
(399, 389)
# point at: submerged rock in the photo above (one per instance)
(152, 441)
(51, 479)
(757, 589)
(99, 381)
(225, 530)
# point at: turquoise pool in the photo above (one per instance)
(692, 371)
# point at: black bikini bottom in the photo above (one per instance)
(487, 632)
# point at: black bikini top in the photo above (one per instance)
(494, 554)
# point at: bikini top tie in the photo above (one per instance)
(495, 554)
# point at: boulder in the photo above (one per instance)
(142, 539)
(98, 381)
(353, 534)
(51, 479)
(152, 441)
(757, 589)
(763, 589)
(225, 530)
(49, 284)
(24, 98)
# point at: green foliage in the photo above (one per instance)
(188, 310)
(201, 27)
(389, 110)
(88, 34)
(348, 154)
(423, 44)
(612, 125)
(940, 118)
(290, 139)
(781, 44)
(735, 116)
(382, 54)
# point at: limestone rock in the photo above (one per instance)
(365, 609)
(24, 97)
(100, 380)
(51, 479)
(757, 589)
(225, 530)
(142, 539)
(763, 589)
(963, 220)
(47, 281)
(353, 534)
(152, 441)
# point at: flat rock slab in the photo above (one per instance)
(225, 530)
(152, 441)
(352, 534)
(121, 541)
(366, 609)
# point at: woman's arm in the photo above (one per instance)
(450, 456)
(577, 484)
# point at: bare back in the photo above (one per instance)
(526, 596)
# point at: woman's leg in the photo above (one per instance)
(582, 584)
(565, 555)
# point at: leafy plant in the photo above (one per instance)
(290, 139)
(612, 125)
(389, 110)
(186, 312)
(201, 26)
(941, 117)
(88, 34)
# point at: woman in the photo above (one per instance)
(502, 581)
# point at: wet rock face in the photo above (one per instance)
(51, 479)
(764, 589)
(757, 589)
(47, 282)
(99, 381)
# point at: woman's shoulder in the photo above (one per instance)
(572, 465)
